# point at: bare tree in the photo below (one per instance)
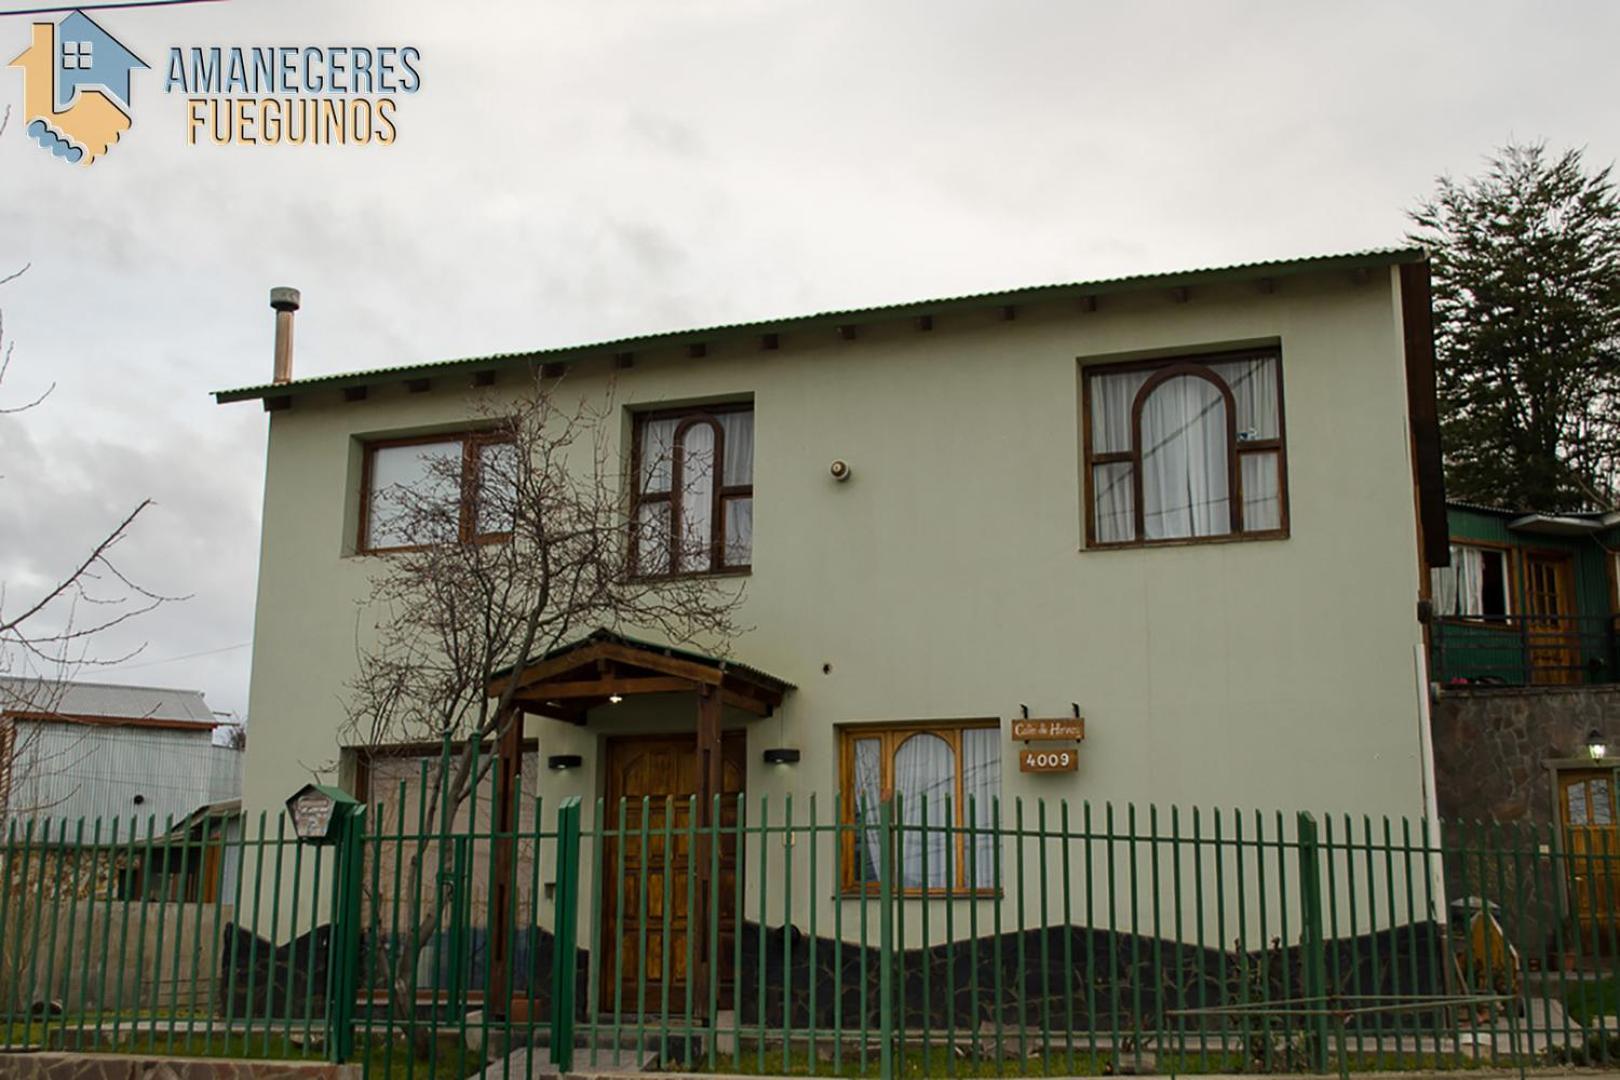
(520, 544)
(50, 632)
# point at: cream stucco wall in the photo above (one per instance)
(948, 577)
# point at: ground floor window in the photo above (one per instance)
(946, 780)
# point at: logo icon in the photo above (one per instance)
(76, 88)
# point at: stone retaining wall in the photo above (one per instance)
(52, 1066)
(1492, 746)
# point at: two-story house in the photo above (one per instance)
(1199, 507)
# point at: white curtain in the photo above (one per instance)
(1185, 486)
(1113, 493)
(1459, 589)
(1111, 399)
(657, 450)
(739, 531)
(1262, 491)
(981, 783)
(1254, 395)
(697, 497)
(652, 538)
(738, 429)
(924, 778)
(867, 794)
(413, 488)
(1113, 502)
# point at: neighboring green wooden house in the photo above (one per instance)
(1529, 599)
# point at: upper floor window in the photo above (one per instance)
(435, 489)
(1188, 448)
(694, 495)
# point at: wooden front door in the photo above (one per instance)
(1549, 630)
(1586, 801)
(648, 894)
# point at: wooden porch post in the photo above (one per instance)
(710, 782)
(509, 747)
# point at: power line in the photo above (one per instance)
(177, 659)
(56, 9)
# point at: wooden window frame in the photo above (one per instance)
(722, 493)
(892, 735)
(1564, 779)
(1512, 568)
(472, 447)
(1166, 368)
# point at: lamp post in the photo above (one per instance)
(329, 816)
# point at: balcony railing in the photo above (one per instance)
(1525, 650)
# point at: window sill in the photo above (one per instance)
(848, 895)
(1189, 541)
(492, 538)
(730, 571)
(1501, 624)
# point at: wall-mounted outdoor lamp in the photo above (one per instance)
(781, 755)
(319, 812)
(559, 762)
(1597, 747)
(614, 699)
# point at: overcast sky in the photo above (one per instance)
(575, 171)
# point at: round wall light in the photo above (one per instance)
(781, 755)
(559, 762)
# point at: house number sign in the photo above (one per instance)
(1055, 750)
(1048, 760)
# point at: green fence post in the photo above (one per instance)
(565, 939)
(886, 955)
(348, 861)
(1313, 967)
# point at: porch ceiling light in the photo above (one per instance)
(614, 699)
(1597, 747)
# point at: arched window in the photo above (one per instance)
(694, 511)
(946, 782)
(1185, 449)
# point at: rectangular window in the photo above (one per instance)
(946, 779)
(1475, 585)
(1185, 448)
(436, 489)
(694, 493)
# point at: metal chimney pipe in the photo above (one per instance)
(285, 301)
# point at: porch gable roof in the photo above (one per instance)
(570, 679)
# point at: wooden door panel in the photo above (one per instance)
(656, 777)
(1548, 596)
(1586, 800)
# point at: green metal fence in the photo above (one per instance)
(812, 937)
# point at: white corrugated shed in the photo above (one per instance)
(30, 696)
(98, 750)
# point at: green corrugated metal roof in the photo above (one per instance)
(711, 334)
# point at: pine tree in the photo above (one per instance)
(1526, 262)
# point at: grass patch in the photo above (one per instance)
(937, 1061)
(384, 1058)
(1587, 1000)
(943, 1062)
